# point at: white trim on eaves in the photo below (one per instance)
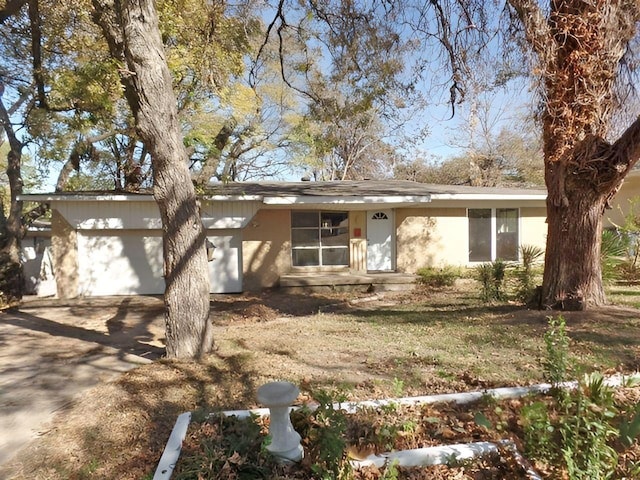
(345, 200)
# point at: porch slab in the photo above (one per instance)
(360, 282)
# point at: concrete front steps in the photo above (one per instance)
(320, 282)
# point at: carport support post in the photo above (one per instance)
(285, 441)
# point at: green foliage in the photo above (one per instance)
(481, 419)
(526, 274)
(323, 431)
(586, 429)
(438, 277)
(630, 231)
(557, 364)
(398, 386)
(576, 427)
(612, 251)
(629, 428)
(390, 471)
(539, 432)
(492, 278)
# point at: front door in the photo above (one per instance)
(380, 240)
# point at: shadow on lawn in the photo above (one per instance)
(272, 303)
(437, 313)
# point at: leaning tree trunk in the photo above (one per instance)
(131, 29)
(11, 271)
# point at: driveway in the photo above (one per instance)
(52, 350)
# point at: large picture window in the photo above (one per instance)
(493, 234)
(319, 238)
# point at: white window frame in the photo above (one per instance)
(320, 246)
(494, 223)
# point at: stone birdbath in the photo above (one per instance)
(285, 441)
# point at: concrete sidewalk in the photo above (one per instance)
(50, 352)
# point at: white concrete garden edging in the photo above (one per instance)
(459, 451)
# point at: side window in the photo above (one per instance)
(493, 234)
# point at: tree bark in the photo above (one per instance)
(131, 30)
(11, 271)
(573, 274)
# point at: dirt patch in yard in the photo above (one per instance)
(369, 346)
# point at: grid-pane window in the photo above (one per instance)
(319, 238)
(493, 234)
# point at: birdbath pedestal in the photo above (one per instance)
(285, 441)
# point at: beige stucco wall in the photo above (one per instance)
(533, 226)
(621, 202)
(64, 243)
(430, 237)
(440, 236)
(266, 249)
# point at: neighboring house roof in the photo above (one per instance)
(343, 192)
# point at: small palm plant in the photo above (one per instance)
(529, 256)
(612, 251)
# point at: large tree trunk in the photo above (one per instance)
(131, 29)
(572, 274)
(11, 272)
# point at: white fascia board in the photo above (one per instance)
(52, 197)
(486, 196)
(334, 200)
(232, 198)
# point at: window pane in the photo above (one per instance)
(506, 220)
(480, 235)
(335, 236)
(335, 256)
(334, 219)
(507, 233)
(305, 219)
(307, 257)
(305, 237)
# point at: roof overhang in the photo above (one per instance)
(487, 196)
(343, 200)
(57, 197)
(274, 201)
(288, 200)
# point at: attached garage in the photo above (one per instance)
(120, 262)
(112, 244)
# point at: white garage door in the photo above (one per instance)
(225, 269)
(120, 262)
(130, 262)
